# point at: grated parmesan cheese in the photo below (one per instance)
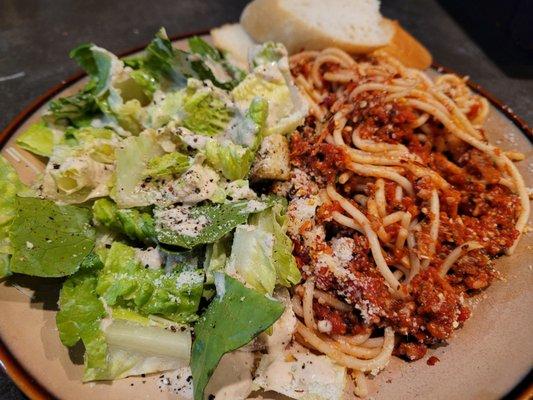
(179, 220)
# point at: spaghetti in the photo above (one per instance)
(407, 205)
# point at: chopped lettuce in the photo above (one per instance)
(98, 143)
(274, 221)
(38, 139)
(117, 93)
(165, 108)
(232, 320)
(275, 91)
(9, 187)
(267, 53)
(132, 160)
(135, 349)
(214, 66)
(251, 258)
(115, 347)
(76, 110)
(81, 166)
(80, 108)
(135, 224)
(216, 255)
(205, 108)
(271, 80)
(130, 336)
(164, 62)
(125, 282)
(79, 316)
(97, 62)
(135, 185)
(173, 66)
(191, 226)
(261, 255)
(76, 179)
(232, 160)
(145, 82)
(249, 131)
(49, 240)
(170, 164)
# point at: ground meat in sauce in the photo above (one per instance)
(432, 361)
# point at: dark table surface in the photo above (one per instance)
(36, 36)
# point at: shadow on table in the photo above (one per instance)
(503, 29)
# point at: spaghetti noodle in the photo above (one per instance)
(407, 202)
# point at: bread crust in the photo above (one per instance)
(407, 49)
(267, 20)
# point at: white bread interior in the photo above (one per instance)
(355, 26)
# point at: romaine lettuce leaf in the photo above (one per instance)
(49, 240)
(267, 53)
(171, 164)
(134, 349)
(215, 67)
(9, 187)
(80, 312)
(132, 160)
(76, 180)
(205, 108)
(76, 110)
(216, 255)
(133, 188)
(81, 167)
(117, 93)
(251, 258)
(98, 143)
(232, 160)
(164, 62)
(80, 136)
(38, 139)
(97, 62)
(232, 320)
(124, 282)
(145, 82)
(135, 224)
(249, 130)
(261, 255)
(172, 66)
(115, 347)
(167, 107)
(274, 221)
(191, 226)
(5, 260)
(271, 80)
(129, 115)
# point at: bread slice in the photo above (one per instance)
(407, 49)
(233, 39)
(355, 26)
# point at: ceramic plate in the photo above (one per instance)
(485, 360)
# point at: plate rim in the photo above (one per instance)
(30, 386)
